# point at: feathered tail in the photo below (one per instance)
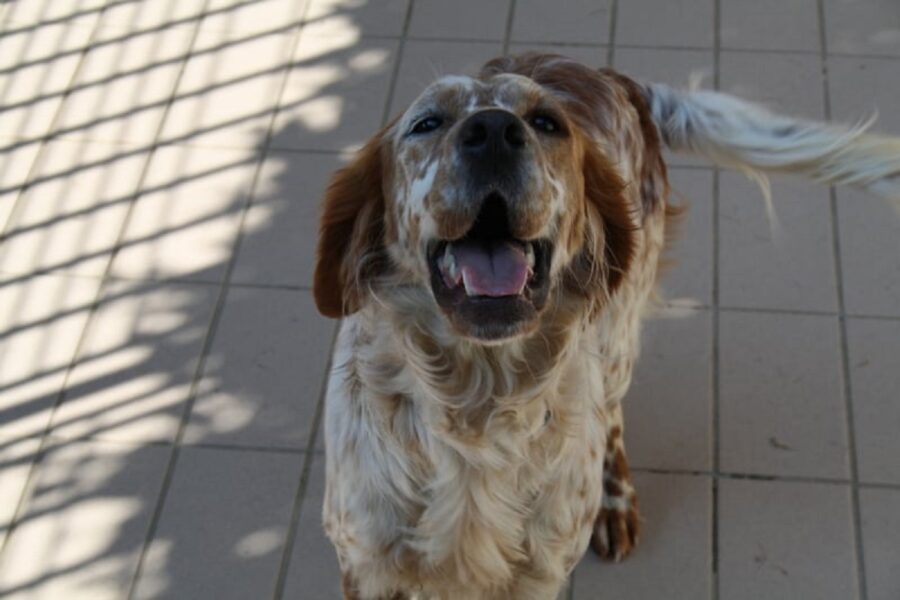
(735, 133)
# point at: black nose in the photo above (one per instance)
(493, 135)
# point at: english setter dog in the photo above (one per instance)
(491, 252)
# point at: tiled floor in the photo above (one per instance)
(162, 363)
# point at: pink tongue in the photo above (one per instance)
(491, 268)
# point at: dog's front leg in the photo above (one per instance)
(618, 522)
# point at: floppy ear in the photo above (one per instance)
(351, 233)
(610, 227)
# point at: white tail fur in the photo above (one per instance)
(735, 133)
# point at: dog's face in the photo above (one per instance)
(493, 193)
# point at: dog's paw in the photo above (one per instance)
(616, 530)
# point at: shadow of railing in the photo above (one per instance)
(87, 420)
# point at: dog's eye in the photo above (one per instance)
(545, 124)
(426, 125)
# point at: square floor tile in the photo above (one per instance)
(870, 254)
(222, 528)
(782, 539)
(16, 459)
(861, 86)
(463, 19)
(137, 363)
(585, 21)
(686, 270)
(786, 83)
(73, 211)
(863, 26)
(185, 221)
(335, 94)
(36, 67)
(356, 17)
(786, 263)
(124, 85)
(673, 556)
(259, 17)
(41, 321)
(278, 242)
(265, 371)
(782, 409)
(873, 350)
(423, 63)
(880, 532)
(786, 25)
(314, 573)
(228, 92)
(85, 522)
(665, 23)
(668, 410)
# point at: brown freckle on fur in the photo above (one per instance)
(620, 465)
(612, 488)
(594, 453)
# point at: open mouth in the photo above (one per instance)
(489, 283)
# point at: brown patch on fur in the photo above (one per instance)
(616, 532)
(351, 232)
(612, 488)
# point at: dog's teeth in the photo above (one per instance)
(529, 255)
(449, 268)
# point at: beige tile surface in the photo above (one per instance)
(256, 18)
(124, 85)
(861, 86)
(137, 363)
(863, 26)
(228, 92)
(880, 532)
(70, 217)
(147, 16)
(372, 17)
(675, 23)
(278, 242)
(874, 348)
(786, 262)
(464, 19)
(88, 512)
(314, 573)
(582, 21)
(788, 83)
(16, 459)
(749, 25)
(36, 66)
(870, 243)
(686, 274)
(781, 401)
(673, 557)
(19, 14)
(41, 320)
(335, 94)
(222, 527)
(264, 375)
(668, 410)
(592, 56)
(185, 221)
(18, 158)
(785, 540)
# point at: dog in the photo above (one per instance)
(491, 252)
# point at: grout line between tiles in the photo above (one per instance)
(715, 356)
(310, 456)
(214, 319)
(39, 454)
(507, 32)
(842, 328)
(296, 511)
(613, 26)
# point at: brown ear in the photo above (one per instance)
(351, 233)
(609, 230)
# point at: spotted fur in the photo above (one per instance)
(464, 469)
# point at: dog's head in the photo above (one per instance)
(497, 193)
